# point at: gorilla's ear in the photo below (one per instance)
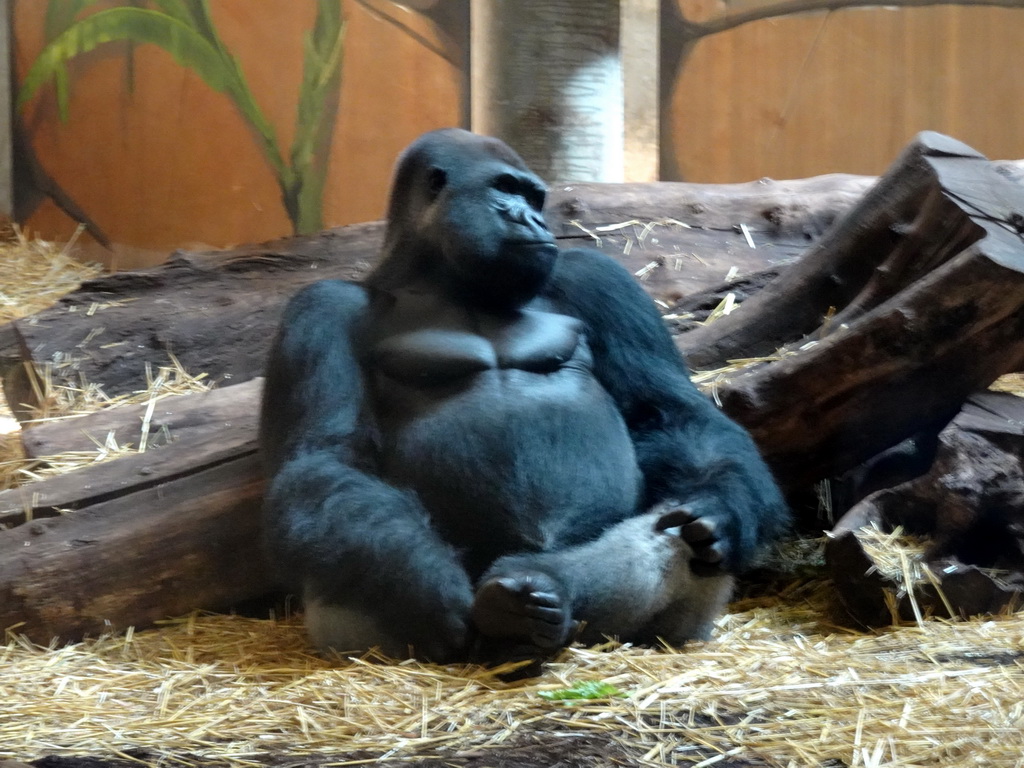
(436, 179)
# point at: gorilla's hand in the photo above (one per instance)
(702, 532)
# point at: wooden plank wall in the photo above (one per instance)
(167, 162)
(845, 91)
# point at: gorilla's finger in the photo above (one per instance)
(546, 599)
(548, 616)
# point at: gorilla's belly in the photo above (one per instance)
(516, 460)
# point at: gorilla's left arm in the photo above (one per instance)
(692, 456)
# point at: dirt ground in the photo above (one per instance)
(537, 750)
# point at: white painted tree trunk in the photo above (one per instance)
(549, 77)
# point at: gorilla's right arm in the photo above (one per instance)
(355, 544)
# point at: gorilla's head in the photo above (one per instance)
(466, 211)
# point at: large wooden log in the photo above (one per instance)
(192, 418)
(103, 482)
(146, 536)
(970, 508)
(185, 434)
(216, 312)
(927, 275)
(136, 559)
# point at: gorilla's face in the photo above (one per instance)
(480, 212)
(488, 225)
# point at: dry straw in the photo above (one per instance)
(61, 402)
(35, 273)
(777, 685)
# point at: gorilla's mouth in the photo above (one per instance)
(534, 244)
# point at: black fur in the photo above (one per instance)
(493, 440)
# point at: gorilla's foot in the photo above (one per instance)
(701, 532)
(523, 605)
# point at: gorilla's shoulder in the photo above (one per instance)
(336, 298)
(587, 266)
(592, 285)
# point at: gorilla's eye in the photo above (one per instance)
(436, 181)
(507, 184)
(536, 196)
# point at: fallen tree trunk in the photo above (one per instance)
(185, 434)
(189, 543)
(926, 279)
(970, 508)
(216, 312)
(142, 537)
(193, 418)
(929, 206)
(126, 475)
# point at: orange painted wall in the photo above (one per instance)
(845, 91)
(170, 163)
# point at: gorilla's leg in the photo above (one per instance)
(635, 582)
(372, 568)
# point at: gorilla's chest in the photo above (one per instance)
(496, 421)
(423, 343)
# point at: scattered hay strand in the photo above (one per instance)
(897, 556)
(774, 684)
(901, 559)
(61, 402)
(725, 307)
(57, 401)
(1011, 382)
(35, 273)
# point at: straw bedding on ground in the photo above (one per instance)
(778, 685)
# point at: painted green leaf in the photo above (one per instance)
(177, 10)
(191, 49)
(138, 25)
(317, 109)
(203, 22)
(185, 29)
(60, 14)
(587, 689)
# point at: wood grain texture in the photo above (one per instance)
(217, 311)
(926, 276)
(131, 561)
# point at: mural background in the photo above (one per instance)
(159, 160)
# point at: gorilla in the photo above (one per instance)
(491, 447)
